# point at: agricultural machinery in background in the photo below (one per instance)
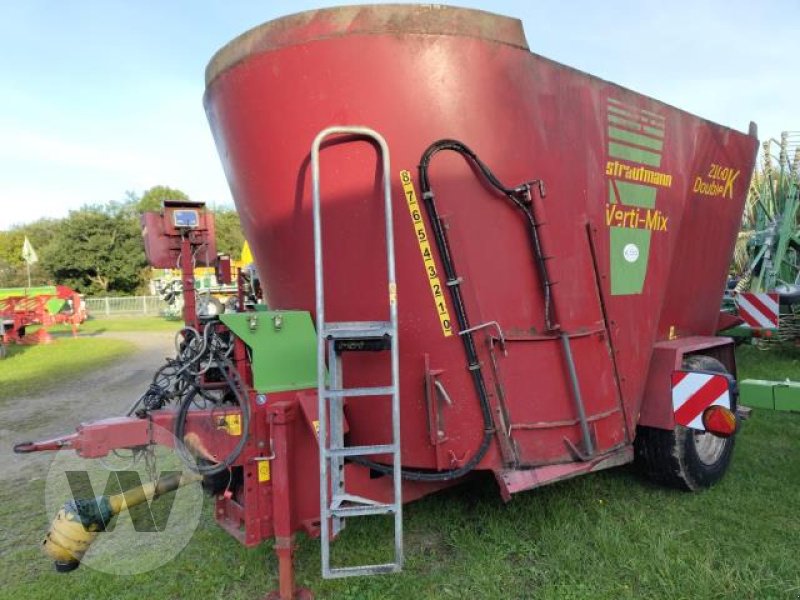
(216, 289)
(764, 288)
(475, 260)
(24, 308)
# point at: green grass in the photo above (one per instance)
(37, 368)
(608, 535)
(116, 324)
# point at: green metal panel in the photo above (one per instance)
(633, 154)
(787, 396)
(54, 305)
(283, 345)
(630, 248)
(46, 290)
(757, 393)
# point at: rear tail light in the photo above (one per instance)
(719, 420)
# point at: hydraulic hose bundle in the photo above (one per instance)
(198, 354)
(522, 198)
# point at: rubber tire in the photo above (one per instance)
(210, 302)
(670, 457)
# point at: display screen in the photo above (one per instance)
(186, 219)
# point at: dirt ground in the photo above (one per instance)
(104, 393)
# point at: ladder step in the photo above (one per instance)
(365, 391)
(349, 330)
(360, 450)
(363, 510)
(363, 570)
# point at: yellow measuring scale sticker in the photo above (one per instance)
(263, 471)
(437, 289)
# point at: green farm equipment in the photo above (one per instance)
(767, 255)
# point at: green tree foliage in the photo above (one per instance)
(153, 198)
(229, 232)
(98, 251)
(12, 268)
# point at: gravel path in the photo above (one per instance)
(104, 393)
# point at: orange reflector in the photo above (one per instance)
(719, 421)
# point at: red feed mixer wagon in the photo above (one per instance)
(474, 258)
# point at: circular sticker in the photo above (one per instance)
(630, 252)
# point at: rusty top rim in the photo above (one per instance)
(368, 19)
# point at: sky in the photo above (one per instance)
(98, 98)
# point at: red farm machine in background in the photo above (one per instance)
(475, 259)
(21, 308)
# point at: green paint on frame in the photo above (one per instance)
(283, 345)
(624, 113)
(630, 250)
(653, 130)
(653, 115)
(632, 154)
(635, 126)
(635, 138)
(634, 194)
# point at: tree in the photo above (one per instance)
(229, 232)
(98, 250)
(153, 198)
(12, 268)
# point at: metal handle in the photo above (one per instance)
(315, 194)
(494, 324)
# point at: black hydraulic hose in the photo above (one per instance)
(454, 283)
(522, 198)
(180, 429)
(234, 382)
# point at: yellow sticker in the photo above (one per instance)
(231, 423)
(437, 289)
(263, 471)
(316, 427)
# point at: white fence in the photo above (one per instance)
(125, 305)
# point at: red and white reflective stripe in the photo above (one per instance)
(693, 392)
(759, 310)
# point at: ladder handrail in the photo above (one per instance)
(361, 132)
(387, 195)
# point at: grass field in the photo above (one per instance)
(123, 324)
(30, 369)
(609, 535)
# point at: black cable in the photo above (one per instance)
(453, 282)
(235, 384)
(178, 379)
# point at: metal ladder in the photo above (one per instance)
(333, 339)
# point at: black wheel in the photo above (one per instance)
(684, 458)
(789, 294)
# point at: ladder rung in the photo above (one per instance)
(361, 450)
(362, 511)
(363, 570)
(356, 329)
(365, 391)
